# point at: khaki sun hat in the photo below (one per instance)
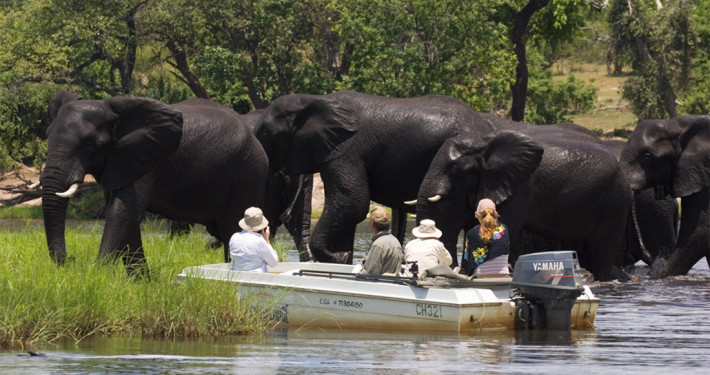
(254, 220)
(426, 229)
(485, 203)
(380, 215)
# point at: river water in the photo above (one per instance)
(645, 326)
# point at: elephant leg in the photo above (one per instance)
(347, 200)
(694, 237)
(227, 228)
(513, 213)
(606, 247)
(298, 222)
(399, 224)
(122, 231)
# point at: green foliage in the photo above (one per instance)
(663, 44)
(551, 102)
(696, 100)
(414, 48)
(23, 122)
(40, 302)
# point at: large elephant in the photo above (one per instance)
(673, 157)
(194, 161)
(657, 222)
(365, 147)
(287, 201)
(578, 193)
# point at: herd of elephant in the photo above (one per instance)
(198, 161)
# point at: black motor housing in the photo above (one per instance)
(547, 285)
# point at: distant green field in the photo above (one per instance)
(611, 112)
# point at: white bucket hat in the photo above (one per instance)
(426, 229)
(254, 220)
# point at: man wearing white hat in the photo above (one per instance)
(250, 249)
(426, 249)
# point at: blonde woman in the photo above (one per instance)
(488, 245)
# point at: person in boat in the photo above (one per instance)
(488, 245)
(250, 249)
(426, 249)
(385, 253)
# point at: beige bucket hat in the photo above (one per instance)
(426, 229)
(254, 220)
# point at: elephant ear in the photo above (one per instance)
(58, 100)
(692, 170)
(145, 132)
(321, 131)
(509, 160)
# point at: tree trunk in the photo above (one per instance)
(181, 64)
(520, 33)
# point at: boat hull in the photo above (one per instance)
(347, 304)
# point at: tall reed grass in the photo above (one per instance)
(41, 302)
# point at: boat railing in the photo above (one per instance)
(358, 277)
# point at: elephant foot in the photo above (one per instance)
(657, 269)
(345, 257)
(213, 243)
(618, 274)
(306, 255)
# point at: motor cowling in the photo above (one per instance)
(546, 286)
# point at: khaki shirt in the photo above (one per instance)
(384, 255)
(428, 252)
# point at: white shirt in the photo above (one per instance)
(428, 252)
(250, 252)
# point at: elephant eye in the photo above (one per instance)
(90, 147)
(265, 134)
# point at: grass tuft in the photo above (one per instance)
(40, 302)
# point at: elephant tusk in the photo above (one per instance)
(69, 193)
(35, 185)
(411, 203)
(435, 198)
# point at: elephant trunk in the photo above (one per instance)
(645, 255)
(54, 209)
(431, 191)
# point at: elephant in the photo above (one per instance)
(657, 221)
(194, 161)
(287, 201)
(366, 148)
(577, 194)
(673, 157)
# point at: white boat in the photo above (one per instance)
(346, 303)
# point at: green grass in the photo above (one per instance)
(41, 302)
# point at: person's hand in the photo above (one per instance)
(266, 232)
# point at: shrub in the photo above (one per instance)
(551, 102)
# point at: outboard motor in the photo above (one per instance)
(546, 286)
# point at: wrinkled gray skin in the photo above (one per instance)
(657, 221)
(577, 194)
(365, 147)
(673, 157)
(287, 201)
(193, 161)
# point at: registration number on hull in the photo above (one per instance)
(431, 311)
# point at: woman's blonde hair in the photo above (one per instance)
(489, 222)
